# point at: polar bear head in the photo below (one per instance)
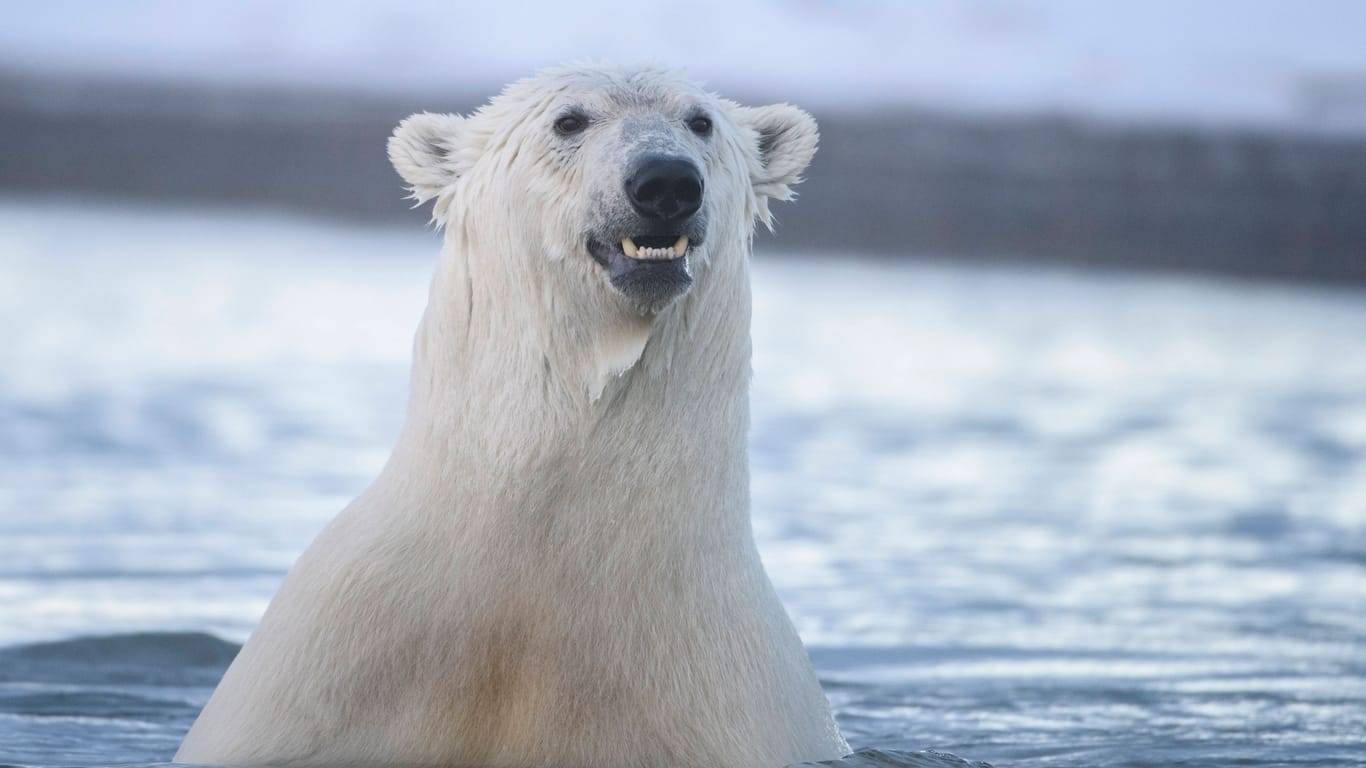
(631, 182)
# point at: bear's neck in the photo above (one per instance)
(567, 426)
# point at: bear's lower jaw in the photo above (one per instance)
(652, 284)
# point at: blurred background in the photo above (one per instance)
(1059, 441)
(1224, 137)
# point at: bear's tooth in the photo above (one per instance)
(681, 247)
(628, 247)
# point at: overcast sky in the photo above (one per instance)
(1261, 61)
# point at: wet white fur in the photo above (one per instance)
(556, 565)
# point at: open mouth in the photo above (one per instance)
(655, 247)
(652, 269)
(639, 249)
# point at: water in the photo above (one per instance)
(1027, 517)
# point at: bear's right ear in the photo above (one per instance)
(426, 151)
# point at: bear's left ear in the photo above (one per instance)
(785, 139)
(426, 150)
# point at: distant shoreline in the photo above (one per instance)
(1241, 201)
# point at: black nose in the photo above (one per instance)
(665, 188)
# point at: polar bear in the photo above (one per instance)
(556, 566)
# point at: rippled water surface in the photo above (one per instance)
(1026, 517)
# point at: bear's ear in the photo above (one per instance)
(785, 139)
(426, 150)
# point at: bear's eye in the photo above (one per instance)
(700, 125)
(570, 124)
